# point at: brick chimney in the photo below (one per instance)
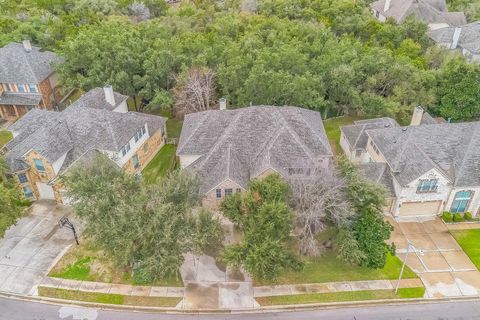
(27, 45)
(223, 103)
(109, 97)
(417, 116)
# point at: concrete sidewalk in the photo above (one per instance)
(331, 287)
(123, 289)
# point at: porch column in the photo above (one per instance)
(16, 111)
(2, 113)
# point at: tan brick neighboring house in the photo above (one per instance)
(427, 167)
(27, 79)
(432, 12)
(228, 148)
(46, 143)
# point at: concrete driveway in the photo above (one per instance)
(31, 247)
(444, 268)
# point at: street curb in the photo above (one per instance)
(265, 309)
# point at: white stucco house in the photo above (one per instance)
(427, 167)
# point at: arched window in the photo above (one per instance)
(461, 201)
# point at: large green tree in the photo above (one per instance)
(266, 221)
(145, 229)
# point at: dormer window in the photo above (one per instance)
(427, 185)
(125, 149)
(140, 133)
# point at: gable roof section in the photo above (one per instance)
(26, 67)
(429, 11)
(378, 172)
(355, 134)
(242, 143)
(469, 38)
(75, 131)
(451, 148)
(95, 99)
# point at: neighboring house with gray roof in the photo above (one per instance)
(47, 143)
(432, 12)
(27, 79)
(465, 38)
(228, 148)
(427, 167)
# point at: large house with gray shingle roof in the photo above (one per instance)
(228, 148)
(427, 167)
(432, 12)
(47, 143)
(27, 79)
(464, 38)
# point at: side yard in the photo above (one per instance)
(163, 162)
(5, 136)
(332, 129)
(469, 240)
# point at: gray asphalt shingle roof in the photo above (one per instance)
(378, 172)
(469, 36)
(451, 148)
(355, 134)
(75, 131)
(242, 143)
(26, 67)
(429, 11)
(27, 99)
(95, 98)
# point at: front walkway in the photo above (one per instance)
(31, 247)
(436, 257)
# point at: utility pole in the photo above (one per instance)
(65, 223)
(403, 266)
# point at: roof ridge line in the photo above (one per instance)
(193, 132)
(313, 131)
(465, 155)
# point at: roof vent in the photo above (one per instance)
(27, 45)
(404, 129)
(387, 125)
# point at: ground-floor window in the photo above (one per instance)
(27, 191)
(461, 201)
(22, 177)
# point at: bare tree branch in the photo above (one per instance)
(318, 200)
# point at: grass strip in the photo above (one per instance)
(108, 298)
(341, 296)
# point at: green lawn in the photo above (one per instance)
(341, 296)
(5, 136)
(161, 164)
(107, 298)
(87, 262)
(328, 268)
(469, 240)
(174, 126)
(332, 128)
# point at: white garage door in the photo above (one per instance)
(427, 208)
(46, 191)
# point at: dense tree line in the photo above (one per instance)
(325, 55)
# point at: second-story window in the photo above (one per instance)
(218, 193)
(22, 177)
(8, 88)
(427, 185)
(32, 88)
(39, 164)
(125, 149)
(140, 132)
(228, 192)
(21, 88)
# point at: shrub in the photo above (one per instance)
(447, 216)
(458, 217)
(468, 216)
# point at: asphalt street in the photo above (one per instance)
(12, 309)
